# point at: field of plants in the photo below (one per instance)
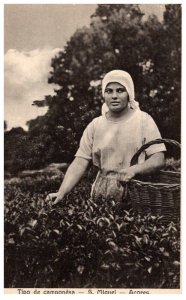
(83, 243)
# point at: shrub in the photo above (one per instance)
(85, 243)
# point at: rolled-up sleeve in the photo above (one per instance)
(86, 142)
(151, 132)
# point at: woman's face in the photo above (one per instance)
(116, 97)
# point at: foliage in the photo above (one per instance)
(15, 148)
(162, 81)
(173, 165)
(117, 38)
(84, 243)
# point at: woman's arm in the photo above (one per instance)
(73, 175)
(154, 163)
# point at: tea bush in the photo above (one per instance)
(84, 243)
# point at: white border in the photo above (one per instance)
(183, 130)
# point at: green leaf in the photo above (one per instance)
(129, 264)
(165, 234)
(161, 249)
(116, 266)
(70, 212)
(22, 231)
(107, 220)
(119, 226)
(11, 241)
(166, 254)
(147, 258)
(91, 208)
(114, 234)
(108, 252)
(113, 245)
(138, 242)
(104, 267)
(129, 219)
(156, 265)
(146, 239)
(176, 263)
(32, 223)
(80, 269)
(79, 226)
(112, 217)
(61, 223)
(149, 270)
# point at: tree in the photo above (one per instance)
(15, 149)
(116, 32)
(117, 38)
(161, 92)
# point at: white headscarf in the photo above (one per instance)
(124, 79)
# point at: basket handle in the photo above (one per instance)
(134, 159)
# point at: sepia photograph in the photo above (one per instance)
(92, 148)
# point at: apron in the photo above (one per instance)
(108, 187)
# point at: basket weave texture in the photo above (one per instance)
(158, 194)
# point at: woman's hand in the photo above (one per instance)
(127, 174)
(73, 175)
(55, 197)
(154, 163)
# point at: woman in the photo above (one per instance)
(112, 139)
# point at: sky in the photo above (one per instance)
(33, 34)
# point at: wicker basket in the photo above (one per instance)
(158, 194)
